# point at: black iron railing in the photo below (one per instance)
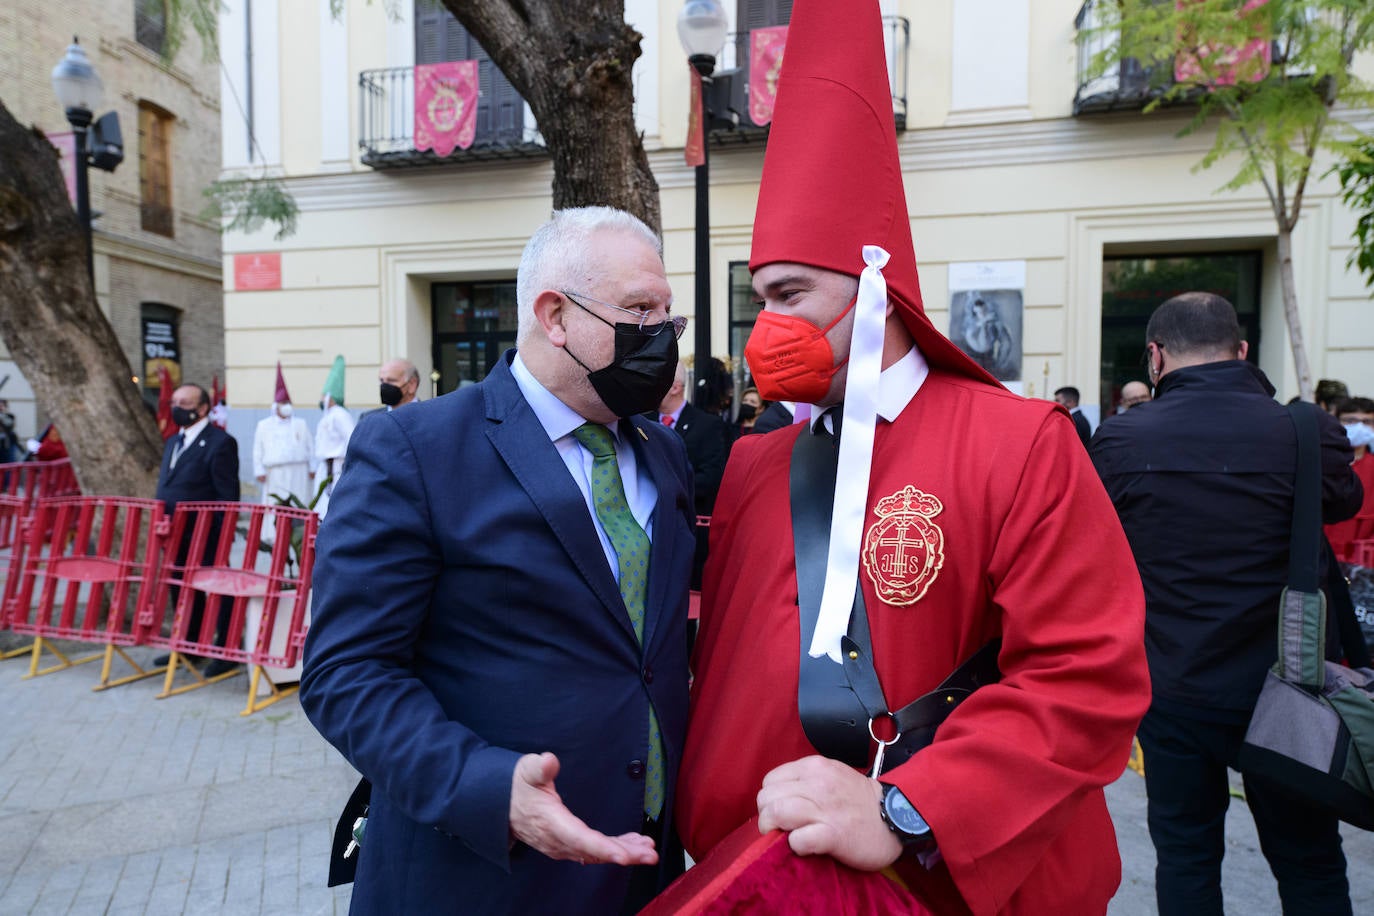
(386, 125)
(1130, 84)
(729, 103)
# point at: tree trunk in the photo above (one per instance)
(1290, 312)
(571, 61)
(55, 330)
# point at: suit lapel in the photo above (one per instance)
(657, 461)
(516, 434)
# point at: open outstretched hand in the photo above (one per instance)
(540, 820)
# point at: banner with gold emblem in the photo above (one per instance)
(445, 106)
(765, 63)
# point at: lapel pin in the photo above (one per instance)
(642, 434)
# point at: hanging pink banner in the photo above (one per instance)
(765, 64)
(1223, 65)
(695, 150)
(445, 106)
(66, 150)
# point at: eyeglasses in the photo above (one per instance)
(651, 321)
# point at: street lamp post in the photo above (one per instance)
(702, 27)
(80, 92)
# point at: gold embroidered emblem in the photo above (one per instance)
(904, 548)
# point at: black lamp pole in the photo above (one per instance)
(80, 120)
(705, 65)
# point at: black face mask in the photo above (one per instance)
(183, 417)
(639, 377)
(391, 395)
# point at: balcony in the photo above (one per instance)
(1129, 86)
(386, 125)
(727, 100)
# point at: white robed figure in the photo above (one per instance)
(333, 432)
(283, 452)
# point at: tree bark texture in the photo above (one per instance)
(55, 330)
(571, 61)
(1290, 312)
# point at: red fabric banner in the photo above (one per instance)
(1224, 65)
(765, 64)
(695, 150)
(446, 106)
(165, 426)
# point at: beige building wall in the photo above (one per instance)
(996, 168)
(132, 266)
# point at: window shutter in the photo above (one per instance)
(429, 33)
(500, 109)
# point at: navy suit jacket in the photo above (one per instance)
(464, 615)
(208, 470)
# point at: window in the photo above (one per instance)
(439, 37)
(150, 24)
(474, 323)
(760, 14)
(155, 167)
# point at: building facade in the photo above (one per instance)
(1049, 215)
(157, 262)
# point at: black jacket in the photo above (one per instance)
(208, 471)
(1202, 478)
(704, 434)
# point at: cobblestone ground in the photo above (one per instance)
(118, 803)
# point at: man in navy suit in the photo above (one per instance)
(500, 607)
(199, 463)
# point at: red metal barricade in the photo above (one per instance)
(23, 483)
(247, 564)
(79, 572)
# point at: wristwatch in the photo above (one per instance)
(905, 821)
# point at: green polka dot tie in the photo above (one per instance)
(631, 547)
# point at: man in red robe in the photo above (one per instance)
(981, 518)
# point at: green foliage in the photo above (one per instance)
(1276, 116)
(202, 16)
(297, 530)
(1357, 182)
(248, 203)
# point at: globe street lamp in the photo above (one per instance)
(702, 27)
(80, 92)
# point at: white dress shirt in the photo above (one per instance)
(190, 434)
(559, 420)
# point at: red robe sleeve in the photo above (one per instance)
(1010, 769)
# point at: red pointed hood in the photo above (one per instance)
(281, 397)
(832, 180)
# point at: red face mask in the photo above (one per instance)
(790, 359)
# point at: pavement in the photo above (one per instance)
(118, 803)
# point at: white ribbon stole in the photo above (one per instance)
(856, 457)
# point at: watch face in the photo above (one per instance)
(902, 815)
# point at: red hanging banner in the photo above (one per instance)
(695, 150)
(446, 106)
(765, 64)
(1224, 65)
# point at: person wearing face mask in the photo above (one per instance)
(924, 510)
(283, 452)
(1203, 481)
(1356, 415)
(398, 383)
(499, 637)
(200, 463)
